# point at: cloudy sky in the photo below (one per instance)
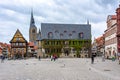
(15, 14)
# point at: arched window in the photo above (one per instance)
(50, 35)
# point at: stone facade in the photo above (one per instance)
(52, 38)
(110, 37)
(118, 28)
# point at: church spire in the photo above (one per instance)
(87, 21)
(39, 31)
(32, 29)
(32, 18)
(39, 35)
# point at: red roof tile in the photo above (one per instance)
(111, 17)
(35, 47)
(114, 17)
(100, 40)
(31, 44)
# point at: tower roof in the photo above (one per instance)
(39, 35)
(39, 32)
(32, 22)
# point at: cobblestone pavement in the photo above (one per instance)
(61, 69)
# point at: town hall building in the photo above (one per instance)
(63, 40)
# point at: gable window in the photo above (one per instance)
(17, 39)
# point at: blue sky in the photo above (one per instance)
(15, 14)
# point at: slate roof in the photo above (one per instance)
(65, 31)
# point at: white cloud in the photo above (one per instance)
(98, 28)
(16, 14)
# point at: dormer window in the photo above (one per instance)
(56, 31)
(81, 35)
(65, 31)
(70, 34)
(73, 31)
(61, 35)
(50, 35)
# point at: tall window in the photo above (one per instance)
(16, 44)
(33, 31)
(20, 44)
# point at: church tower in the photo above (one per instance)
(32, 29)
(39, 44)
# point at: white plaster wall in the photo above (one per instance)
(110, 37)
(112, 47)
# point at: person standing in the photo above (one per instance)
(92, 59)
(103, 58)
(39, 58)
(119, 59)
(2, 58)
(51, 57)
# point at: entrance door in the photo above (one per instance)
(66, 53)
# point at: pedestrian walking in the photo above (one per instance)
(54, 57)
(119, 57)
(92, 59)
(2, 58)
(103, 58)
(51, 57)
(39, 58)
(113, 58)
